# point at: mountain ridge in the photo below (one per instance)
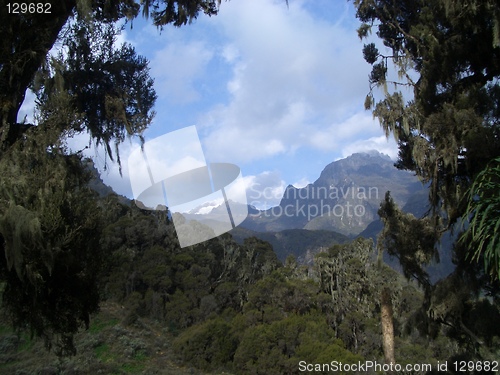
(345, 197)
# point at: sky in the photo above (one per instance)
(276, 90)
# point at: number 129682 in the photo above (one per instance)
(29, 8)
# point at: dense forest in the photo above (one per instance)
(94, 273)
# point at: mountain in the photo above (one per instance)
(358, 182)
(345, 198)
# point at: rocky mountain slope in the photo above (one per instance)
(345, 198)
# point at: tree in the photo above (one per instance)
(49, 225)
(346, 273)
(50, 221)
(412, 242)
(446, 53)
(95, 87)
(27, 39)
(386, 320)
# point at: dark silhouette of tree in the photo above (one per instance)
(27, 39)
(50, 221)
(441, 102)
(447, 53)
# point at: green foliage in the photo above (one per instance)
(447, 126)
(98, 325)
(102, 352)
(95, 86)
(411, 240)
(344, 273)
(50, 228)
(449, 130)
(347, 274)
(370, 53)
(178, 13)
(233, 309)
(483, 207)
(276, 348)
(50, 221)
(208, 345)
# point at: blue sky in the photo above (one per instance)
(276, 90)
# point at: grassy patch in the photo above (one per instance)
(103, 353)
(99, 324)
(133, 367)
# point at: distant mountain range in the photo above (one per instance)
(345, 198)
(344, 202)
(340, 205)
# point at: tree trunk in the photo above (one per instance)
(387, 326)
(26, 42)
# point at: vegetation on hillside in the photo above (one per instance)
(223, 306)
(50, 221)
(219, 305)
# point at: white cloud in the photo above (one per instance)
(303, 182)
(207, 208)
(230, 53)
(380, 143)
(176, 69)
(264, 190)
(334, 136)
(295, 80)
